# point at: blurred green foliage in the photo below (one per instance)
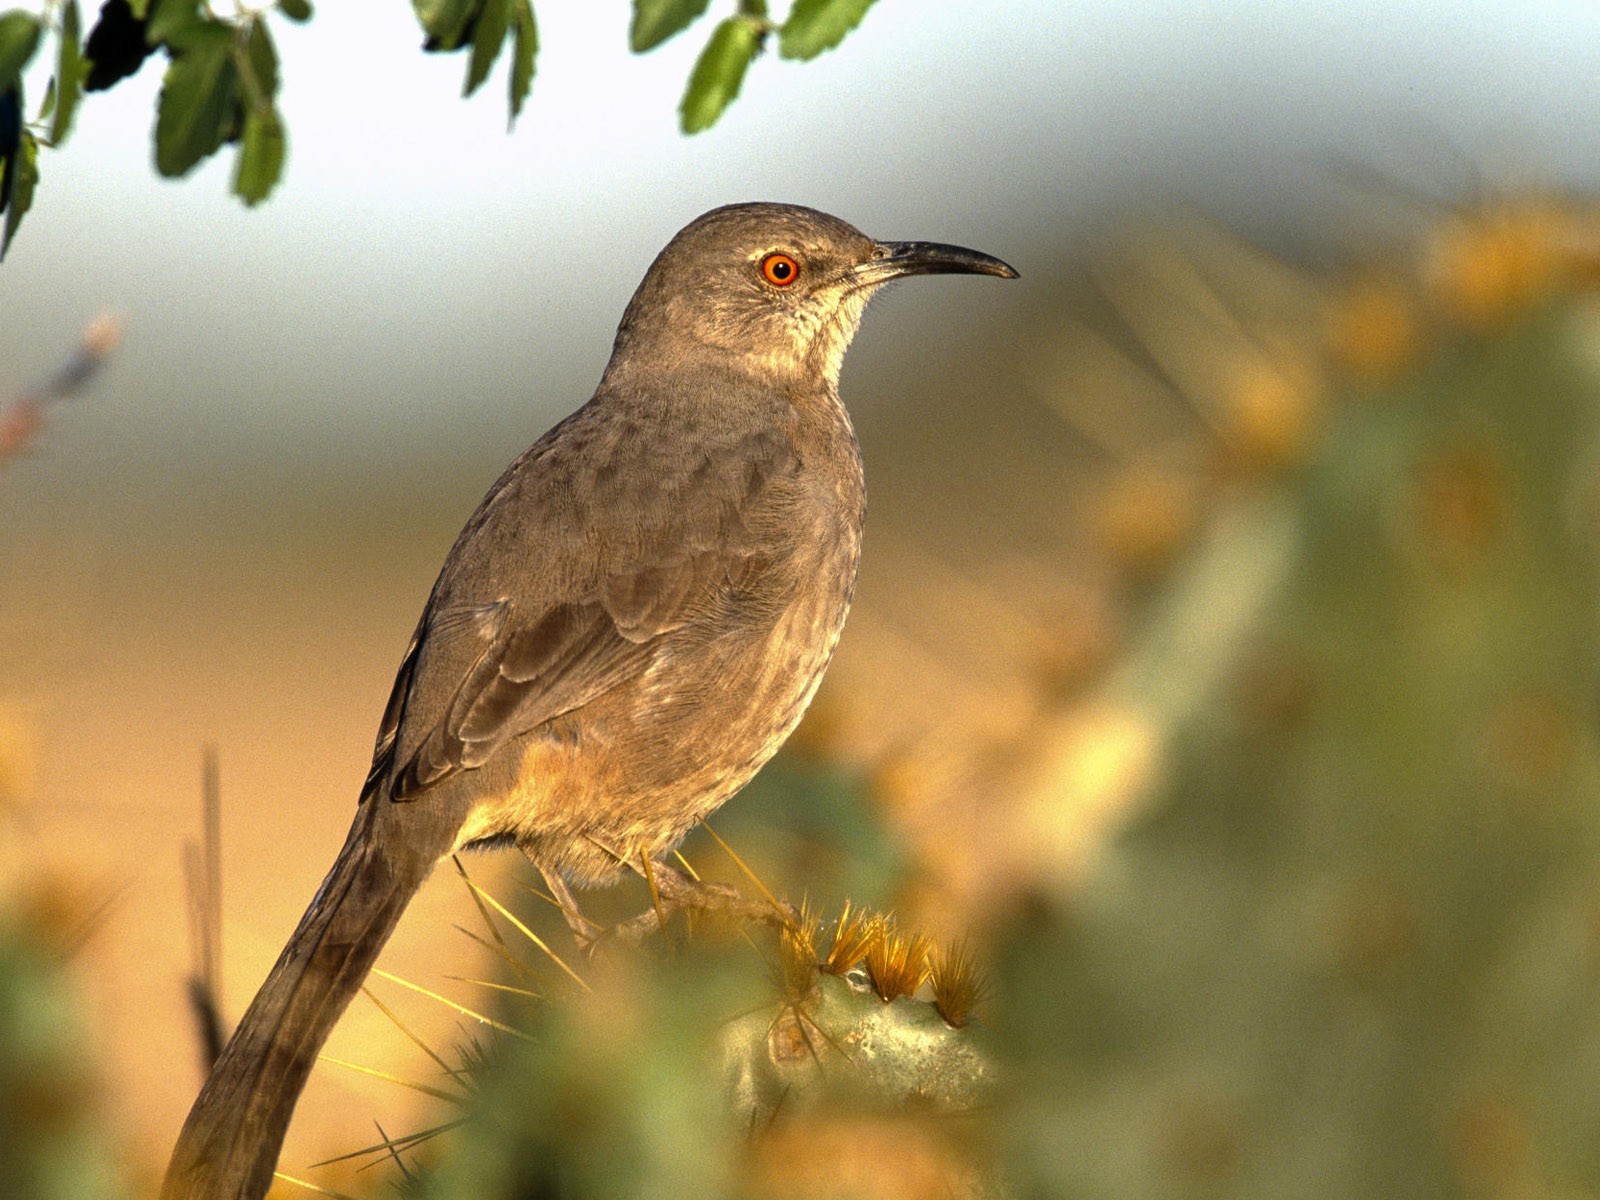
(697, 1073)
(1354, 948)
(52, 1145)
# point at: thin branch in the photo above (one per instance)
(23, 417)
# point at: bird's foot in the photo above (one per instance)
(672, 892)
(585, 932)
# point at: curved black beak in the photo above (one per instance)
(891, 260)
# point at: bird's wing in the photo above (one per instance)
(492, 671)
(522, 678)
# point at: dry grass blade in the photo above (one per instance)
(425, 1089)
(403, 1028)
(409, 1141)
(500, 950)
(451, 1004)
(530, 935)
(202, 870)
(477, 900)
(850, 938)
(509, 988)
(406, 1173)
(568, 911)
(778, 908)
(958, 984)
(211, 865)
(311, 1187)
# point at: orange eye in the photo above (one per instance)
(780, 270)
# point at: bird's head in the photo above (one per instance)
(776, 288)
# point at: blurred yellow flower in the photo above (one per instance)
(1488, 267)
(1373, 330)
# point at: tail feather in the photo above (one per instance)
(229, 1145)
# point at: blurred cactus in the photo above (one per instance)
(707, 1074)
(1348, 945)
(52, 1143)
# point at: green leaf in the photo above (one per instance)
(298, 11)
(817, 25)
(139, 8)
(262, 56)
(70, 72)
(719, 72)
(525, 46)
(22, 173)
(261, 154)
(488, 35)
(198, 97)
(170, 21)
(19, 38)
(654, 21)
(445, 21)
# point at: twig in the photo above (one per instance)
(203, 876)
(23, 418)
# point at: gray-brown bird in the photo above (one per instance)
(628, 627)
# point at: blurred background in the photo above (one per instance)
(1227, 609)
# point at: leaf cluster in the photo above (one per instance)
(482, 28)
(220, 87)
(811, 27)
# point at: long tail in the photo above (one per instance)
(229, 1144)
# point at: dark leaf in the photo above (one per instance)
(447, 23)
(117, 46)
(69, 73)
(10, 139)
(525, 45)
(16, 189)
(261, 154)
(298, 11)
(718, 73)
(19, 38)
(817, 25)
(654, 21)
(198, 99)
(488, 35)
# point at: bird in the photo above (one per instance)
(626, 629)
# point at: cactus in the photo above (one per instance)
(700, 1073)
(1349, 946)
(52, 1143)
